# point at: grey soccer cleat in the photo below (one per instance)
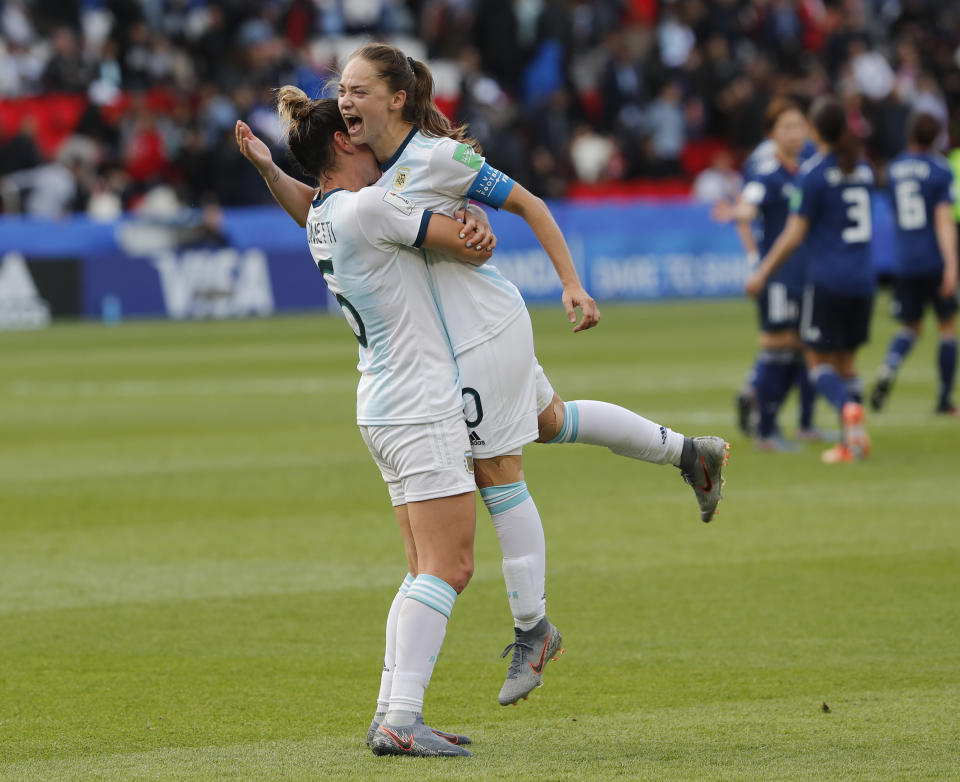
(532, 650)
(453, 738)
(416, 741)
(713, 453)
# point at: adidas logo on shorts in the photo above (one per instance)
(476, 439)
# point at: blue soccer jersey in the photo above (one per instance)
(918, 183)
(769, 188)
(837, 206)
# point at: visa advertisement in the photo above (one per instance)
(254, 262)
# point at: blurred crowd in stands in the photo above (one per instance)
(108, 105)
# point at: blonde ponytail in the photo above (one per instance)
(293, 106)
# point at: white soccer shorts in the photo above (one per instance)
(422, 461)
(499, 383)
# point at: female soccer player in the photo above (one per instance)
(831, 211)
(409, 407)
(921, 186)
(386, 100)
(765, 199)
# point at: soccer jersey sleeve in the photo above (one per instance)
(945, 193)
(388, 218)
(755, 192)
(458, 170)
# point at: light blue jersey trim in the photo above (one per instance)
(571, 424)
(433, 592)
(405, 586)
(490, 187)
(500, 499)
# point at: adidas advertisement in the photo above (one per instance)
(20, 304)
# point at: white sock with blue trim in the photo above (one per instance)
(390, 651)
(520, 532)
(421, 626)
(621, 430)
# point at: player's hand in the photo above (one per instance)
(577, 297)
(476, 231)
(253, 149)
(754, 284)
(722, 211)
(948, 287)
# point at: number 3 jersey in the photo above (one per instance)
(441, 174)
(364, 244)
(837, 206)
(917, 184)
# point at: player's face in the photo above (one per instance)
(790, 133)
(365, 102)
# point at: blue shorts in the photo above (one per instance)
(832, 322)
(779, 308)
(912, 294)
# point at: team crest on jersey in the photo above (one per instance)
(401, 179)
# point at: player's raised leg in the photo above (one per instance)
(625, 433)
(516, 521)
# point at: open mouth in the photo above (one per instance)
(354, 124)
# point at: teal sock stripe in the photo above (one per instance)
(405, 586)
(571, 424)
(433, 592)
(500, 499)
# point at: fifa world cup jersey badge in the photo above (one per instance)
(401, 178)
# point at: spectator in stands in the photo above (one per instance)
(722, 181)
(640, 77)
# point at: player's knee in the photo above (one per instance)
(498, 470)
(550, 421)
(461, 575)
(913, 329)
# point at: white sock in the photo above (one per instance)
(421, 626)
(390, 652)
(621, 430)
(520, 532)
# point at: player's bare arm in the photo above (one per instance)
(292, 194)
(445, 235)
(534, 211)
(788, 241)
(946, 230)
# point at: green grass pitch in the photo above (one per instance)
(197, 555)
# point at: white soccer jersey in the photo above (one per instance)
(363, 243)
(441, 174)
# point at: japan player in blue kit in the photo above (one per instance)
(830, 211)
(921, 188)
(763, 207)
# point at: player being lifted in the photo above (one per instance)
(386, 99)
(765, 201)
(830, 210)
(921, 187)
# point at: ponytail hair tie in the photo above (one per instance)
(410, 62)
